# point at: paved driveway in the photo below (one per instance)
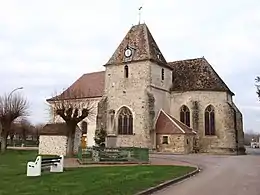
(221, 175)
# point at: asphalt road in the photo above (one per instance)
(220, 175)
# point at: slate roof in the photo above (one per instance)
(143, 45)
(196, 74)
(89, 85)
(166, 124)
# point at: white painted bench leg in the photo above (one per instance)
(58, 167)
(34, 168)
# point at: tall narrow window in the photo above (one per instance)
(162, 74)
(125, 121)
(172, 76)
(126, 71)
(210, 121)
(185, 115)
(84, 127)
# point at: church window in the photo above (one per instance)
(162, 74)
(210, 120)
(126, 71)
(84, 127)
(125, 121)
(185, 115)
(165, 140)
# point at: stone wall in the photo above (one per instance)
(156, 77)
(102, 114)
(177, 143)
(56, 144)
(132, 93)
(77, 140)
(52, 145)
(224, 140)
(239, 129)
(189, 143)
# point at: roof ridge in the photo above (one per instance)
(189, 59)
(148, 41)
(95, 72)
(185, 125)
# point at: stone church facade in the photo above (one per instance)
(144, 101)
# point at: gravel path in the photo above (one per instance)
(225, 175)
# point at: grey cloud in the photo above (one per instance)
(48, 52)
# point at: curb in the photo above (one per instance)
(167, 183)
(113, 163)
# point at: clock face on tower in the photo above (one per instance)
(128, 53)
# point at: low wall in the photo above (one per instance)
(52, 145)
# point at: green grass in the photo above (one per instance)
(79, 181)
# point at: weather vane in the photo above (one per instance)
(140, 8)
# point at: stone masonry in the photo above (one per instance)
(138, 77)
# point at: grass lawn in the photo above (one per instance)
(79, 181)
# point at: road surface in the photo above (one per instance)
(220, 175)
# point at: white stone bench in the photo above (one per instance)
(55, 164)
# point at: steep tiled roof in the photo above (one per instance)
(140, 40)
(166, 124)
(196, 74)
(89, 85)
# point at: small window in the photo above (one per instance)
(165, 140)
(162, 74)
(172, 77)
(187, 141)
(126, 71)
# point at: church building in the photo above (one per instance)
(142, 100)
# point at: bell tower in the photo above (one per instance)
(127, 83)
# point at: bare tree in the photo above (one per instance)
(72, 108)
(258, 86)
(37, 130)
(13, 131)
(11, 108)
(26, 128)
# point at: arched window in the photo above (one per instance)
(126, 71)
(162, 74)
(84, 127)
(185, 115)
(210, 121)
(125, 121)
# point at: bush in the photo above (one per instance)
(100, 137)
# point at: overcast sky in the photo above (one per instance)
(46, 45)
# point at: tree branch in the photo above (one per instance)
(257, 80)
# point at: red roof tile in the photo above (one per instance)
(89, 85)
(166, 124)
